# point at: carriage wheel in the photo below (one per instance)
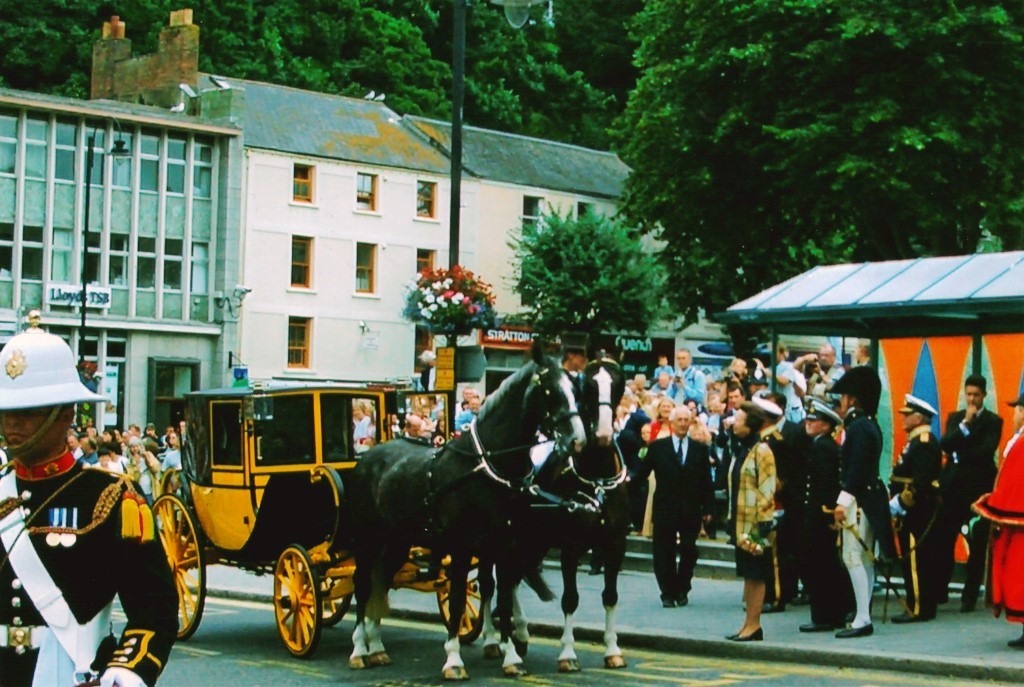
(333, 609)
(298, 606)
(180, 538)
(472, 622)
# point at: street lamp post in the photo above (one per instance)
(118, 150)
(517, 12)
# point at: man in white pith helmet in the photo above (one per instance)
(59, 525)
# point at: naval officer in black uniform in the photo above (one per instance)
(821, 566)
(914, 503)
(71, 538)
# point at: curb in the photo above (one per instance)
(963, 669)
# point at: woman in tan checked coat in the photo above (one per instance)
(752, 485)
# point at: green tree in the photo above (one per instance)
(768, 136)
(590, 274)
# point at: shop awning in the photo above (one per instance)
(969, 294)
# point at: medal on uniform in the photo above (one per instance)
(53, 539)
(68, 539)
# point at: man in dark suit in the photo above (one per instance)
(683, 498)
(970, 442)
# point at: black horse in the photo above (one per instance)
(585, 505)
(457, 502)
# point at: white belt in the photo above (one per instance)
(22, 638)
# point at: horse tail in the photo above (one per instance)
(534, 579)
(378, 606)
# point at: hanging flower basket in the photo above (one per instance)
(449, 302)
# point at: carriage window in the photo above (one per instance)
(335, 419)
(363, 424)
(226, 433)
(288, 439)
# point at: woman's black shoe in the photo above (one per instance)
(1016, 643)
(755, 636)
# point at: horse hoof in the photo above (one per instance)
(514, 670)
(455, 674)
(378, 659)
(521, 647)
(357, 663)
(568, 665)
(492, 651)
(614, 662)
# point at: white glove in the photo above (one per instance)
(895, 507)
(120, 677)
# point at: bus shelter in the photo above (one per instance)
(931, 322)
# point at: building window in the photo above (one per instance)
(95, 161)
(146, 277)
(176, 165)
(6, 251)
(173, 258)
(302, 184)
(32, 253)
(67, 150)
(366, 192)
(366, 258)
(36, 135)
(426, 199)
(202, 169)
(531, 209)
(61, 250)
(199, 283)
(302, 261)
(149, 163)
(121, 172)
(298, 341)
(424, 342)
(117, 272)
(8, 143)
(425, 260)
(583, 209)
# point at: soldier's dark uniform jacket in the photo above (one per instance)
(861, 452)
(95, 545)
(914, 482)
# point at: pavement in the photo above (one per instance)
(968, 646)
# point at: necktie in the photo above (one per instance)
(679, 453)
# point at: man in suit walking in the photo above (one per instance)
(970, 442)
(682, 501)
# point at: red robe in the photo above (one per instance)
(1005, 508)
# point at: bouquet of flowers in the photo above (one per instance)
(449, 302)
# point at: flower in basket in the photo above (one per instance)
(449, 301)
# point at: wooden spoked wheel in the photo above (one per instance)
(185, 555)
(333, 609)
(472, 621)
(298, 604)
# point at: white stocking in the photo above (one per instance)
(862, 589)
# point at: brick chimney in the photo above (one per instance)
(148, 79)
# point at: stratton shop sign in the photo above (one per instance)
(510, 338)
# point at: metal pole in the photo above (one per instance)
(85, 242)
(458, 88)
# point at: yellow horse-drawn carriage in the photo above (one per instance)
(261, 489)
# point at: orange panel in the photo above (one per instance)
(901, 357)
(951, 356)
(1006, 358)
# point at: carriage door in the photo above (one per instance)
(224, 504)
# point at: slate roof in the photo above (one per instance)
(982, 292)
(526, 161)
(331, 126)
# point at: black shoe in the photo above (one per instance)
(774, 608)
(682, 600)
(1016, 643)
(755, 636)
(668, 603)
(967, 605)
(851, 632)
(596, 571)
(801, 600)
(819, 627)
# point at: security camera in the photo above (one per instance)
(241, 291)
